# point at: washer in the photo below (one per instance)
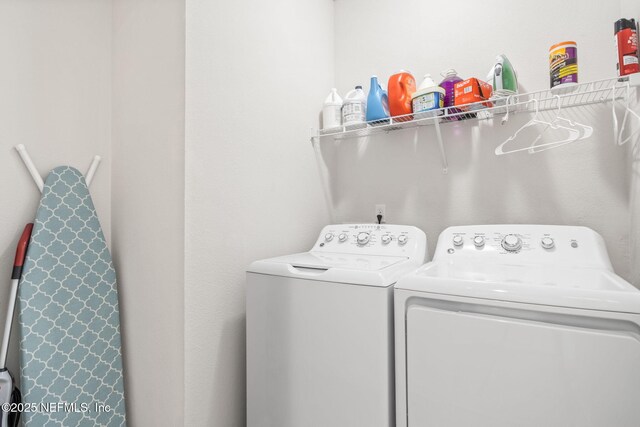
(517, 325)
(320, 328)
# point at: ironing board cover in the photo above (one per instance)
(68, 313)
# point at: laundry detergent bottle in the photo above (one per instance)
(377, 102)
(428, 99)
(450, 79)
(354, 108)
(401, 86)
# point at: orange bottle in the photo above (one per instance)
(401, 86)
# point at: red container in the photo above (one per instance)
(470, 91)
(627, 45)
(401, 87)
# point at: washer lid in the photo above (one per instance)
(372, 270)
(593, 289)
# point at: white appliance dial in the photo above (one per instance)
(478, 241)
(386, 239)
(458, 240)
(342, 237)
(363, 238)
(547, 243)
(402, 239)
(328, 237)
(512, 243)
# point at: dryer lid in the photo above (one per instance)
(373, 270)
(326, 260)
(593, 289)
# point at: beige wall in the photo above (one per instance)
(55, 98)
(256, 72)
(148, 204)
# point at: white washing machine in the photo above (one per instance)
(517, 325)
(320, 328)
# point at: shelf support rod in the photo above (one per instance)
(26, 159)
(445, 166)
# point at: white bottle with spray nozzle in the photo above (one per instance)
(332, 110)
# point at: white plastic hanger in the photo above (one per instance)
(24, 155)
(617, 134)
(573, 134)
(584, 130)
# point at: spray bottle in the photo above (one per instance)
(626, 37)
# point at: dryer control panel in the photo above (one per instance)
(568, 246)
(372, 239)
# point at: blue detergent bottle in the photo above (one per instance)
(377, 102)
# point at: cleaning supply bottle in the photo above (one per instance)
(428, 100)
(626, 37)
(448, 84)
(354, 108)
(401, 86)
(377, 102)
(331, 111)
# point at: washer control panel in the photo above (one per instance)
(372, 239)
(544, 244)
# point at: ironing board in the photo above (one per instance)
(68, 313)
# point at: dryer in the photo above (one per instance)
(517, 325)
(320, 328)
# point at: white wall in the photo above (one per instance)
(631, 8)
(148, 204)
(584, 183)
(256, 72)
(55, 97)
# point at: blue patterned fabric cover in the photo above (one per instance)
(68, 314)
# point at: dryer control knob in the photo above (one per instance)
(512, 243)
(386, 239)
(478, 241)
(402, 239)
(363, 238)
(547, 243)
(328, 237)
(343, 237)
(458, 240)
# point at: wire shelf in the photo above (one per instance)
(595, 92)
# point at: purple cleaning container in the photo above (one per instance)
(448, 83)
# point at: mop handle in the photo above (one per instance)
(21, 253)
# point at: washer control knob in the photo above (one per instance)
(402, 239)
(328, 237)
(363, 238)
(458, 240)
(512, 243)
(478, 241)
(386, 239)
(547, 243)
(343, 237)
